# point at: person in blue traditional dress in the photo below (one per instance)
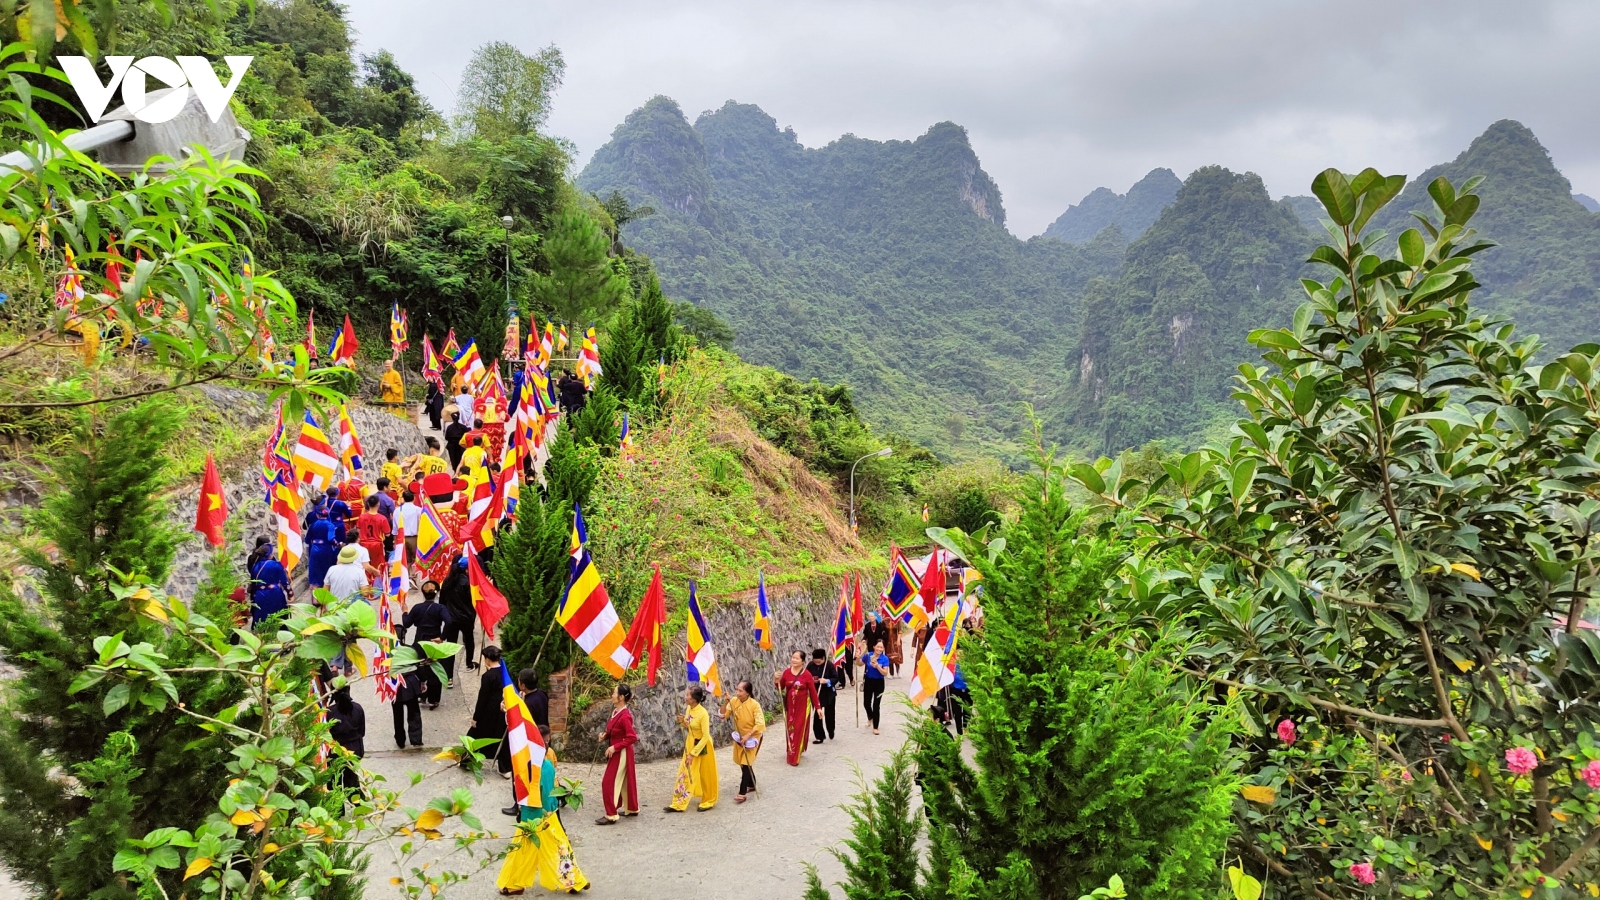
(322, 548)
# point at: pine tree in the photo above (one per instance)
(643, 338)
(105, 516)
(880, 856)
(1088, 759)
(599, 423)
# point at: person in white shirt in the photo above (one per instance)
(467, 407)
(409, 515)
(346, 579)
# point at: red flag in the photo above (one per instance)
(486, 598)
(213, 508)
(858, 615)
(930, 593)
(311, 334)
(644, 635)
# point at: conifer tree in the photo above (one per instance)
(643, 338)
(1088, 759)
(138, 769)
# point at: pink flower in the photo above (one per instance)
(1520, 760)
(1286, 731)
(1362, 873)
(1405, 774)
(1591, 774)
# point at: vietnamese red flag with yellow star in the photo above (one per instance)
(213, 508)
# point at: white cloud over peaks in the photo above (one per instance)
(1062, 97)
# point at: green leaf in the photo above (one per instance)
(1405, 559)
(1333, 189)
(1089, 477)
(1305, 395)
(116, 698)
(1413, 249)
(1275, 337)
(1279, 579)
(1245, 887)
(1442, 193)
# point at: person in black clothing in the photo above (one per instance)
(488, 721)
(829, 679)
(456, 595)
(573, 394)
(347, 725)
(430, 618)
(434, 404)
(408, 702)
(453, 433)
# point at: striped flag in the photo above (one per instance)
(588, 367)
(344, 345)
(586, 611)
(841, 625)
(626, 449)
(314, 457)
(936, 667)
(383, 680)
(763, 623)
(349, 443)
(275, 457)
(432, 367)
(469, 365)
(523, 743)
(286, 509)
(490, 604)
(701, 659)
(561, 339)
(431, 533)
(902, 588)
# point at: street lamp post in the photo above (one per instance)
(884, 452)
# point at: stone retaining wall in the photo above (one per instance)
(802, 618)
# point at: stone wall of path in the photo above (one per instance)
(802, 618)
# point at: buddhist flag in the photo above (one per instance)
(349, 443)
(212, 512)
(523, 744)
(314, 458)
(902, 588)
(929, 594)
(936, 667)
(841, 625)
(384, 680)
(431, 533)
(345, 345)
(586, 611)
(588, 365)
(432, 367)
(286, 509)
(627, 441)
(763, 623)
(643, 641)
(561, 339)
(702, 657)
(469, 365)
(486, 598)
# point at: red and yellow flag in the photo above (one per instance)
(213, 509)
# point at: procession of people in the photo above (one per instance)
(416, 543)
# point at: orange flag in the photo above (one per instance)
(213, 509)
(644, 635)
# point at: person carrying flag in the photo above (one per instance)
(829, 678)
(749, 725)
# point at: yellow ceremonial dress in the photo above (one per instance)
(749, 721)
(547, 855)
(697, 773)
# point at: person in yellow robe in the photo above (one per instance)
(546, 856)
(697, 773)
(749, 724)
(391, 389)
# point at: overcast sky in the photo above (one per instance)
(1062, 97)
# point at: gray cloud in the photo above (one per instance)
(1062, 96)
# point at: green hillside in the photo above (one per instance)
(1132, 213)
(1544, 272)
(882, 264)
(1158, 346)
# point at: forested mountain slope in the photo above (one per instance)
(1132, 213)
(1544, 273)
(883, 264)
(1158, 346)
